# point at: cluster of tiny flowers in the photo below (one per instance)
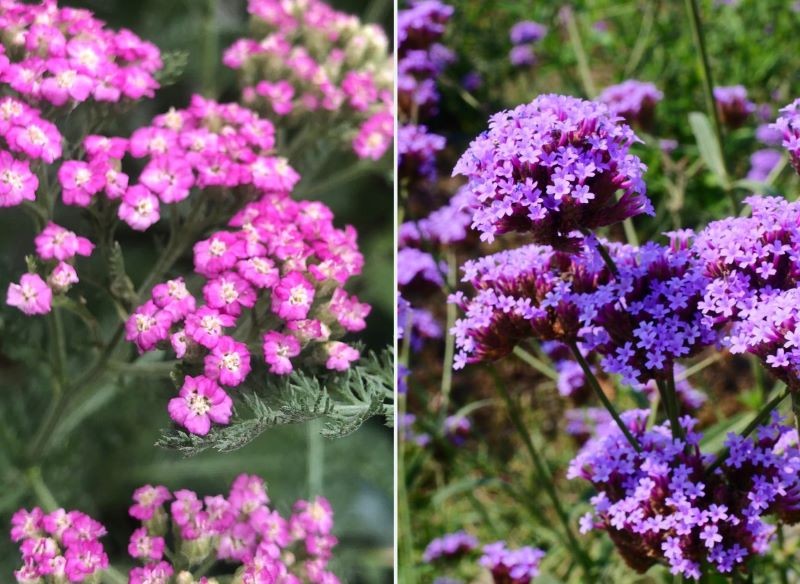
(634, 100)
(62, 546)
(66, 56)
(733, 106)
(418, 270)
(449, 546)
(531, 291)
(283, 269)
(511, 566)
(408, 434)
(207, 145)
(788, 126)
(418, 323)
(524, 35)
(56, 247)
(762, 163)
(661, 505)
(553, 167)
(648, 316)
(240, 529)
(26, 139)
(417, 150)
(313, 58)
(446, 225)
(421, 56)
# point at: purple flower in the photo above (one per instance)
(417, 150)
(762, 163)
(522, 56)
(509, 566)
(633, 100)
(527, 32)
(733, 106)
(662, 504)
(418, 269)
(788, 124)
(451, 545)
(448, 224)
(769, 135)
(552, 167)
(423, 23)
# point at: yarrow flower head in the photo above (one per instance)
(511, 566)
(317, 59)
(552, 168)
(660, 505)
(450, 546)
(62, 546)
(287, 258)
(733, 106)
(633, 100)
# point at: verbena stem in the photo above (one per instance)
(595, 385)
(449, 339)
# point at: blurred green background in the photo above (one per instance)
(96, 467)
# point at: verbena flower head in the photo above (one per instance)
(660, 505)
(282, 258)
(788, 125)
(649, 317)
(551, 168)
(511, 566)
(762, 163)
(312, 58)
(450, 546)
(633, 100)
(522, 293)
(417, 151)
(527, 31)
(449, 224)
(733, 106)
(62, 546)
(418, 270)
(522, 56)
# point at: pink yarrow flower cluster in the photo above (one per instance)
(56, 247)
(283, 271)
(206, 145)
(62, 546)
(65, 56)
(316, 59)
(241, 530)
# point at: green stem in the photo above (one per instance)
(449, 339)
(58, 348)
(545, 478)
(316, 458)
(584, 71)
(210, 50)
(40, 489)
(113, 576)
(708, 86)
(760, 418)
(595, 385)
(405, 539)
(536, 363)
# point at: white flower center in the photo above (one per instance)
(82, 176)
(217, 247)
(199, 404)
(231, 361)
(299, 296)
(14, 179)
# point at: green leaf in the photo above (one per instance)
(344, 401)
(710, 150)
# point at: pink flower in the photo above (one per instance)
(340, 356)
(180, 343)
(56, 242)
(105, 147)
(17, 182)
(228, 362)
(27, 524)
(218, 253)
(229, 293)
(259, 271)
(169, 178)
(375, 136)
(160, 573)
(31, 295)
(173, 297)
(292, 297)
(148, 326)
(200, 402)
(205, 326)
(248, 493)
(349, 311)
(147, 500)
(116, 183)
(84, 559)
(308, 330)
(145, 547)
(80, 181)
(36, 138)
(62, 278)
(66, 84)
(139, 208)
(360, 90)
(278, 349)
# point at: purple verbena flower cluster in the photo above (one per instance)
(762, 163)
(634, 100)
(788, 125)
(552, 168)
(523, 36)
(450, 546)
(733, 106)
(661, 505)
(511, 566)
(417, 151)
